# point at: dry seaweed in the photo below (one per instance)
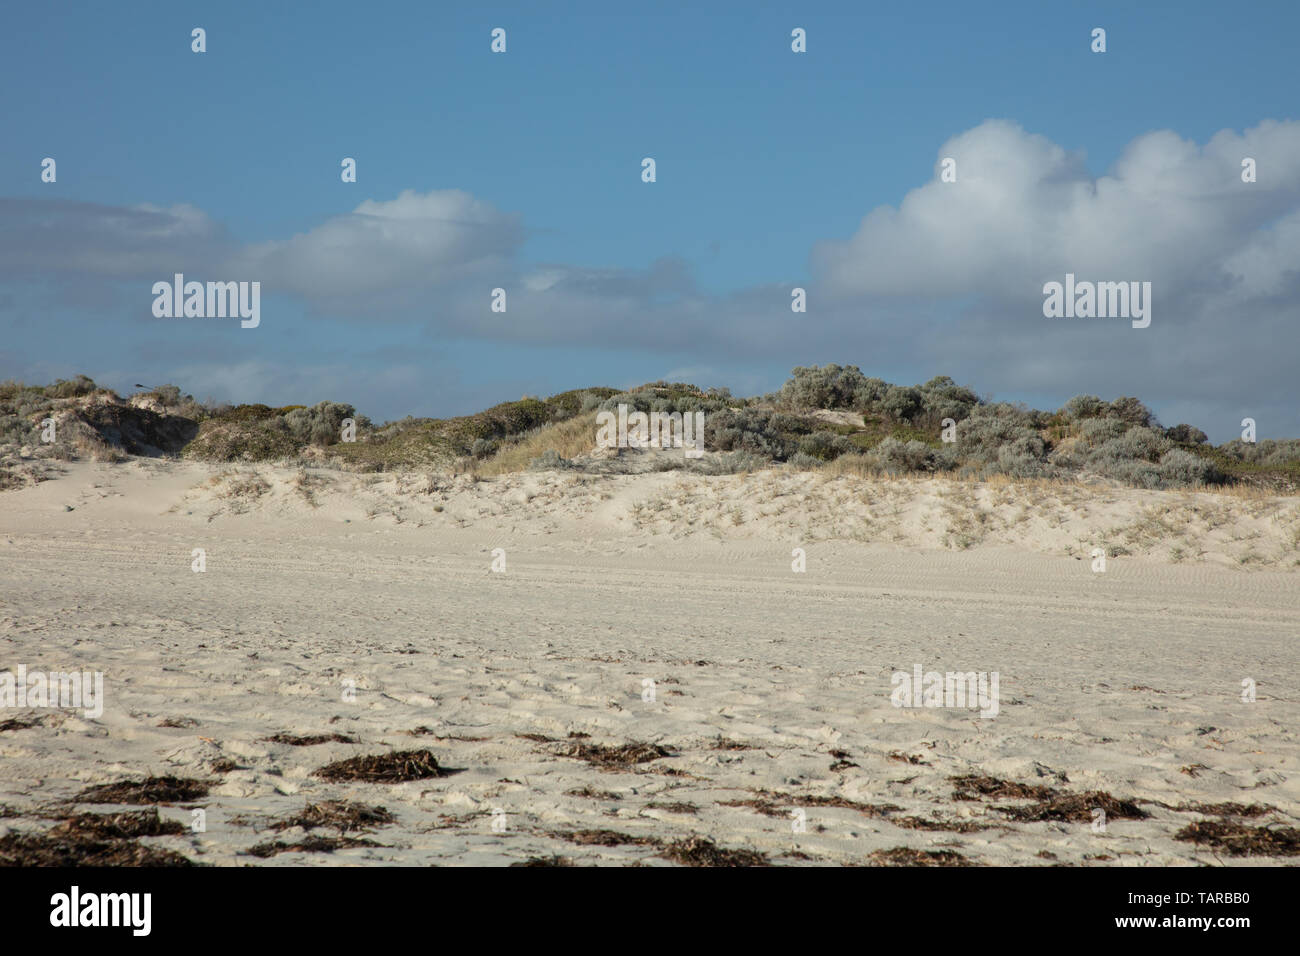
(944, 826)
(342, 815)
(42, 849)
(977, 786)
(591, 794)
(313, 740)
(1227, 809)
(393, 767)
(605, 838)
(149, 790)
(178, 723)
(128, 825)
(310, 844)
(772, 803)
(617, 757)
(678, 807)
(1076, 807)
(906, 856)
(908, 758)
(700, 851)
(21, 723)
(1237, 839)
(545, 861)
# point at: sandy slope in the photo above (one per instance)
(1127, 682)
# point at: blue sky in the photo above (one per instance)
(767, 163)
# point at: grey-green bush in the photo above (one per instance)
(321, 424)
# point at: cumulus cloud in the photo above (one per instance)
(413, 242)
(65, 237)
(1024, 210)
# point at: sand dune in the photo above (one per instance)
(657, 609)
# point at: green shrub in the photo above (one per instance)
(1179, 467)
(829, 386)
(1132, 412)
(1186, 435)
(1084, 406)
(75, 388)
(823, 445)
(901, 404)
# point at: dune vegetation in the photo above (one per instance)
(823, 417)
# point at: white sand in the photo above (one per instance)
(1112, 681)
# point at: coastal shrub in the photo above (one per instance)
(322, 424)
(942, 398)
(824, 445)
(758, 431)
(901, 456)
(1186, 435)
(901, 404)
(730, 463)
(1095, 431)
(1269, 452)
(1179, 467)
(1132, 412)
(827, 386)
(1084, 406)
(804, 462)
(74, 388)
(990, 430)
(1136, 444)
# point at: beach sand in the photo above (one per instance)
(657, 609)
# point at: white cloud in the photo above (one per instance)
(413, 242)
(1024, 210)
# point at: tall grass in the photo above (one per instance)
(569, 439)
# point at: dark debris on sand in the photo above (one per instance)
(1049, 802)
(26, 722)
(605, 838)
(393, 767)
(341, 815)
(310, 844)
(47, 849)
(590, 794)
(148, 790)
(178, 723)
(1075, 807)
(620, 757)
(129, 825)
(973, 786)
(311, 741)
(1228, 809)
(699, 851)
(906, 856)
(773, 804)
(943, 826)
(758, 805)
(545, 861)
(1237, 839)
(678, 807)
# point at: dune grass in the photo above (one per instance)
(570, 438)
